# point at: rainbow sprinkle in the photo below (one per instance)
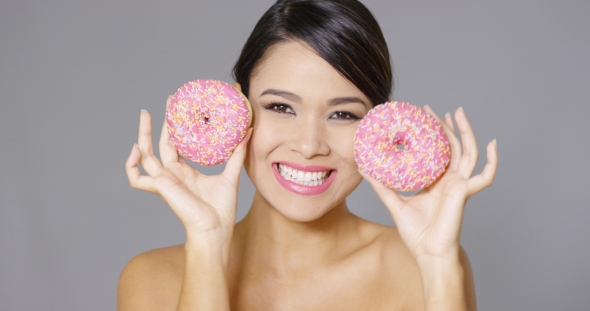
(206, 120)
(401, 146)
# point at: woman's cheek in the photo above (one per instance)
(342, 142)
(266, 136)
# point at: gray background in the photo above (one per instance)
(75, 74)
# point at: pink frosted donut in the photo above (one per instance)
(401, 146)
(206, 120)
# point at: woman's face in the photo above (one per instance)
(301, 156)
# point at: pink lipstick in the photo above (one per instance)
(303, 179)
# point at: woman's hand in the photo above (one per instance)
(430, 222)
(206, 205)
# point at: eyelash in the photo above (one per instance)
(347, 115)
(280, 108)
(276, 107)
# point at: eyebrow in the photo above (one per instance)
(298, 99)
(284, 94)
(346, 100)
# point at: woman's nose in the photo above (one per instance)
(309, 140)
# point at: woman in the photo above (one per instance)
(311, 70)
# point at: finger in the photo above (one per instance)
(144, 141)
(168, 153)
(455, 144)
(236, 160)
(390, 198)
(451, 136)
(449, 122)
(470, 153)
(136, 180)
(144, 138)
(486, 178)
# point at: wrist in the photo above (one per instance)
(443, 281)
(211, 247)
(446, 258)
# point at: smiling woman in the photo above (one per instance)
(315, 97)
(311, 71)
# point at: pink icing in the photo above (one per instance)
(401, 146)
(206, 121)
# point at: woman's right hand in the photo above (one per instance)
(205, 205)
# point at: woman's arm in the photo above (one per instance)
(204, 286)
(448, 282)
(429, 222)
(205, 205)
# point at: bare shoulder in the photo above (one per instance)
(391, 244)
(387, 239)
(396, 257)
(401, 269)
(152, 280)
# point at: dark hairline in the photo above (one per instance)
(288, 39)
(371, 74)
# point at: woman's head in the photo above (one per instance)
(301, 154)
(342, 32)
(311, 70)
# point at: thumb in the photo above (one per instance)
(236, 160)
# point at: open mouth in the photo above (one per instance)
(304, 178)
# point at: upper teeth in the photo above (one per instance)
(302, 177)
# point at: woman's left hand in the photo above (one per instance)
(429, 222)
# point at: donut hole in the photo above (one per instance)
(399, 142)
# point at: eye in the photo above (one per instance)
(343, 115)
(279, 108)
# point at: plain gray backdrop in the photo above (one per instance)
(75, 74)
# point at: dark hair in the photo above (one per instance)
(343, 32)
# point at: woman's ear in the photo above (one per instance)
(237, 86)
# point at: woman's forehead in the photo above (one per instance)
(296, 67)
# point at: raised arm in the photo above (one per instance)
(206, 207)
(429, 223)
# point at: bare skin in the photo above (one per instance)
(302, 252)
(381, 275)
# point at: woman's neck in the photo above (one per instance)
(268, 237)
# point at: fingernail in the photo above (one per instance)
(143, 110)
(447, 115)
